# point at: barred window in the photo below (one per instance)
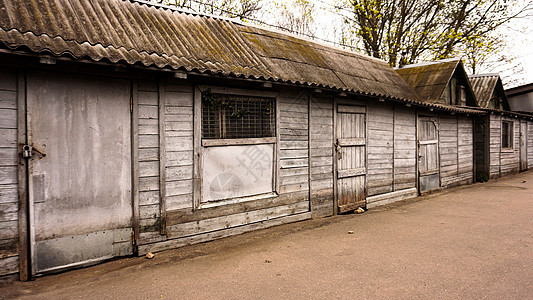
(233, 116)
(507, 134)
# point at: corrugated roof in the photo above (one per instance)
(429, 79)
(483, 86)
(133, 32)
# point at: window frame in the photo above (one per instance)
(256, 122)
(199, 144)
(509, 135)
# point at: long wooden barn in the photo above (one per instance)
(129, 127)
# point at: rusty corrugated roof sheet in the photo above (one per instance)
(429, 79)
(134, 32)
(487, 85)
(483, 86)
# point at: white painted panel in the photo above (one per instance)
(237, 171)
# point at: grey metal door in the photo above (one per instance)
(351, 157)
(523, 146)
(80, 191)
(428, 154)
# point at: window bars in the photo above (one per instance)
(233, 116)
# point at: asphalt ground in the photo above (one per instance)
(470, 242)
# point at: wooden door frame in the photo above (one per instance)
(353, 102)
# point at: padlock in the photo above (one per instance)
(26, 151)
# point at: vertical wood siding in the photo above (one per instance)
(465, 133)
(149, 212)
(509, 158)
(456, 150)
(380, 120)
(503, 161)
(187, 224)
(448, 149)
(404, 148)
(529, 144)
(321, 161)
(9, 259)
(495, 145)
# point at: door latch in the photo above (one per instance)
(28, 151)
(338, 149)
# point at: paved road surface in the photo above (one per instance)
(473, 242)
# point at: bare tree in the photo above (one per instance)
(296, 17)
(430, 29)
(241, 9)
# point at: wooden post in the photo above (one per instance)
(23, 209)
(197, 145)
(135, 164)
(162, 160)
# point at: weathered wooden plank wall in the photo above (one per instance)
(148, 118)
(456, 150)
(321, 155)
(503, 161)
(510, 158)
(448, 149)
(404, 148)
(465, 145)
(391, 153)
(380, 139)
(179, 141)
(495, 144)
(530, 144)
(9, 259)
(294, 141)
(187, 224)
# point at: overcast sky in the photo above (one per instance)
(518, 35)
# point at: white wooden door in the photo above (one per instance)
(523, 145)
(351, 157)
(428, 154)
(80, 186)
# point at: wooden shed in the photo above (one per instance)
(504, 139)
(450, 142)
(135, 127)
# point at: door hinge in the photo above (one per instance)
(131, 104)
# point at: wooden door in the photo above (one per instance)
(428, 154)
(351, 157)
(523, 146)
(80, 186)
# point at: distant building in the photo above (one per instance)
(521, 98)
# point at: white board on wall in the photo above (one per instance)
(237, 171)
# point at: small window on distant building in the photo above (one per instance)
(507, 134)
(237, 117)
